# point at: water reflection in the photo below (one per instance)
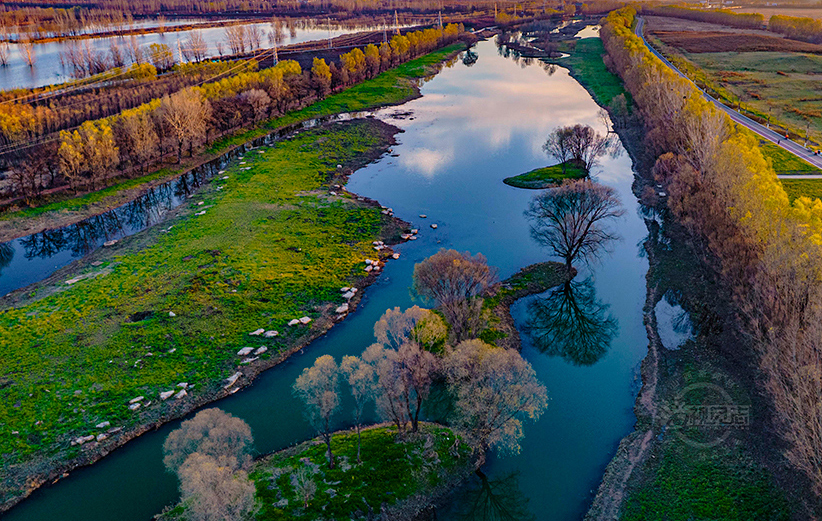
(572, 323)
(6, 255)
(499, 499)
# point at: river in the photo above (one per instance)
(472, 127)
(48, 68)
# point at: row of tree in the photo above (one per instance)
(799, 28)
(493, 390)
(134, 139)
(767, 251)
(715, 16)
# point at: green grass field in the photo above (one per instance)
(784, 162)
(586, 66)
(271, 246)
(391, 471)
(546, 177)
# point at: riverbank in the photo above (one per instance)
(392, 87)
(398, 478)
(191, 306)
(661, 470)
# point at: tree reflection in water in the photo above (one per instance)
(494, 500)
(6, 254)
(572, 323)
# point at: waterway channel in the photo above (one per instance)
(473, 126)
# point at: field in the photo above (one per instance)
(777, 84)
(586, 66)
(767, 12)
(720, 41)
(268, 245)
(545, 177)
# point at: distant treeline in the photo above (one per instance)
(180, 116)
(806, 29)
(717, 16)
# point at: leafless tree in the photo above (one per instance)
(570, 219)
(558, 145)
(211, 491)
(496, 390)
(133, 49)
(455, 281)
(318, 388)
(4, 51)
(587, 146)
(211, 433)
(259, 101)
(186, 113)
(361, 380)
(255, 37)
(236, 38)
(195, 47)
(27, 44)
(117, 58)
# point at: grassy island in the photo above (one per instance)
(397, 478)
(547, 176)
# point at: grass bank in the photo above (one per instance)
(397, 478)
(392, 87)
(586, 66)
(265, 244)
(546, 177)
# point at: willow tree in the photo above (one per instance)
(318, 388)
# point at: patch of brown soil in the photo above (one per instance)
(721, 41)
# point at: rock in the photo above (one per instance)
(110, 243)
(172, 314)
(369, 268)
(78, 393)
(305, 320)
(245, 351)
(200, 213)
(97, 263)
(242, 162)
(170, 351)
(332, 193)
(184, 385)
(405, 236)
(260, 350)
(135, 400)
(271, 334)
(434, 226)
(345, 289)
(165, 395)
(385, 212)
(232, 379)
(257, 332)
(339, 166)
(663, 194)
(395, 256)
(376, 243)
(224, 177)
(342, 309)
(134, 406)
(415, 231)
(293, 322)
(354, 290)
(103, 425)
(413, 237)
(249, 360)
(114, 430)
(82, 439)
(368, 261)
(181, 394)
(423, 216)
(348, 295)
(101, 437)
(200, 203)
(377, 268)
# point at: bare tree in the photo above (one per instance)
(143, 141)
(361, 381)
(455, 281)
(195, 47)
(211, 433)
(117, 58)
(4, 52)
(135, 52)
(495, 391)
(318, 388)
(558, 145)
(213, 492)
(570, 219)
(186, 113)
(259, 101)
(236, 38)
(27, 44)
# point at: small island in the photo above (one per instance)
(547, 176)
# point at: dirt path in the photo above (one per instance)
(633, 450)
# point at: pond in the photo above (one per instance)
(474, 126)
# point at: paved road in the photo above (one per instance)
(766, 133)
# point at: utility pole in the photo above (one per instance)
(276, 57)
(440, 19)
(179, 52)
(330, 45)
(384, 31)
(396, 23)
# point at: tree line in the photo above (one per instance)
(766, 250)
(179, 122)
(715, 16)
(799, 28)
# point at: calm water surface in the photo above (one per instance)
(473, 127)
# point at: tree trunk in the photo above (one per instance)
(359, 442)
(327, 437)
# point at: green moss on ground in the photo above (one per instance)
(547, 176)
(586, 66)
(272, 245)
(392, 471)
